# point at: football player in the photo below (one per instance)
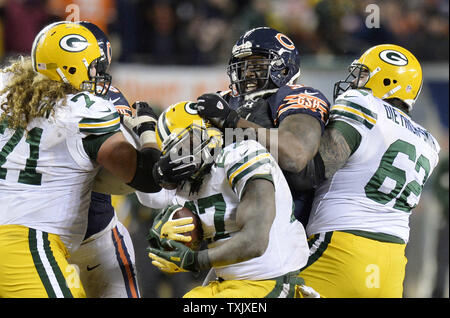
(105, 258)
(376, 162)
(255, 244)
(263, 69)
(56, 131)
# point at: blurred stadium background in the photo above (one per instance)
(166, 51)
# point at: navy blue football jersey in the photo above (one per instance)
(287, 100)
(270, 110)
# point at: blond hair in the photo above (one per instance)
(29, 95)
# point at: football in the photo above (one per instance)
(197, 233)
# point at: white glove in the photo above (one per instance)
(143, 124)
(308, 292)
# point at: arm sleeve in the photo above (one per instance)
(158, 200)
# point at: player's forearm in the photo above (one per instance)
(241, 247)
(291, 152)
(268, 137)
(143, 179)
(334, 151)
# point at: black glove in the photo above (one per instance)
(171, 172)
(216, 109)
(143, 124)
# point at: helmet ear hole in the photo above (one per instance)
(72, 70)
(387, 82)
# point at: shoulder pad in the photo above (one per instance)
(97, 115)
(242, 161)
(360, 95)
(292, 99)
(355, 105)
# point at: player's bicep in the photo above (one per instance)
(257, 202)
(118, 157)
(298, 141)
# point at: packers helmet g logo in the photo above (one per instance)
(394, 57)
(191, 108)
(73, 43)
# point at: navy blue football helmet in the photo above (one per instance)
(262, 60)
(101, 78)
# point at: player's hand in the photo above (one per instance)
(169, 172)
(165, 227)
(143, 124)
(216, 109)
(179, 258)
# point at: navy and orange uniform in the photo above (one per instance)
(270, 110)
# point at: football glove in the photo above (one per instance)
(164, 227)
(302, 291)
(143, 124)
(216, 109)
(171, 172)
(177, 258)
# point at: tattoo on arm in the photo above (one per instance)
(299, 138)
(294, 144)
(334, 151)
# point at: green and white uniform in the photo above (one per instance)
(47, 171)
(392, 158)
(359, 223)
(217, 201)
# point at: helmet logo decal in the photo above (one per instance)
(242, 50)
(394, 57)
(191, 108)
(73, 43)
(219, 105)
(285, 41)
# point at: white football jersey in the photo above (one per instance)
(382, 180)
(46, 175)
(217, 201)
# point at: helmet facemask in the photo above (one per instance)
(358, 76)
(194, 144)
(250, 75)
(99, 80)
(276, 63)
